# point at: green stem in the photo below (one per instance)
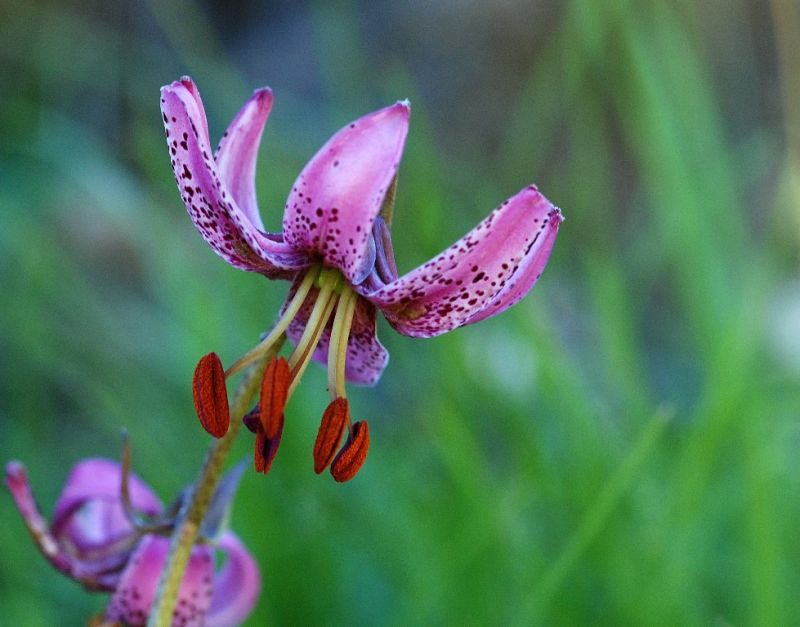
(185, 535)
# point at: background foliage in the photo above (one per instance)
(620, 448)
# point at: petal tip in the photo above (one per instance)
(402, 106)
(262, 97)
(15, 471)
(553, 212)
(168, 89)
(183, 83)
(174, 86)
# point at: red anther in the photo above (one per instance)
(274, 393)
(350, 459)
(334, 421)
(266, 448)
(211, 395)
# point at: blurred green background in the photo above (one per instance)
(621, 448)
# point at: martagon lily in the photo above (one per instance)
(336, 250)
(96, 538)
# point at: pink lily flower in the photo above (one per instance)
(92, 540)
(336, 249)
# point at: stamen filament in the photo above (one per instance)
(327, 283)
(280, 327)
(337, 349)
(139, 521)
(305, 359)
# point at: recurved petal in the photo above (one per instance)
(366, 356)
(133, 598)
(238, 151)
(529, 271)
(194, 104)
(17, 481)
(483, 273)
(335, 199)
(236, 587)
(84, 551)
(211, 206)
(93, 486)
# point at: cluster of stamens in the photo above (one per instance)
(335, 303)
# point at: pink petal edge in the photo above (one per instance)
(100, 479)
(521, 282)
(16, 480)
(133, 598)
(214, 211)
(487, 268)
(334, 201)
(238, 152)
(237, 585)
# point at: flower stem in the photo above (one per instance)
(187, 530)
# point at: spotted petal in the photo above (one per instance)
(212, 207)
(366, 356)
(529, 271)
(238, 151)
(134, 595)
(194, 104)
(236, 587)
(483, 273)
(335, 199)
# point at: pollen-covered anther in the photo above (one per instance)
(350, 459)
(274, 394)
(211, 395)
(334, 421)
